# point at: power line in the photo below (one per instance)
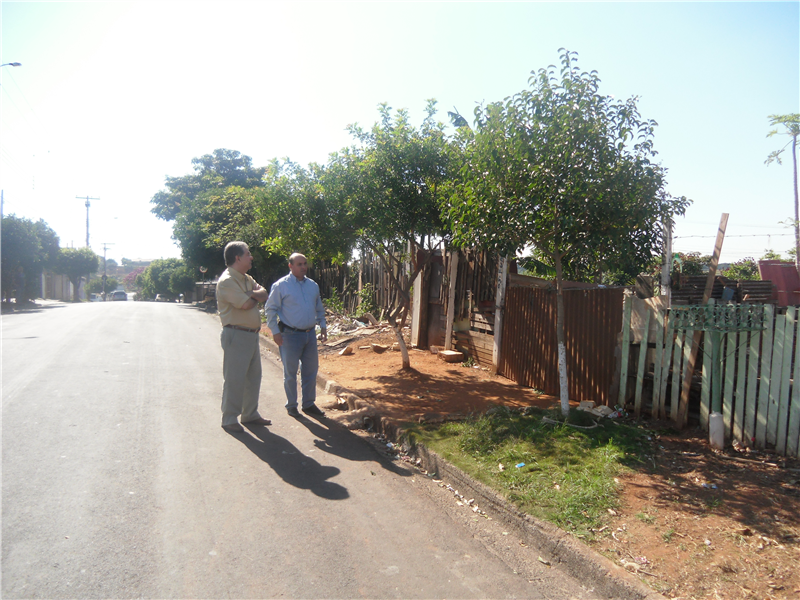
(21, 93)
(766, 235)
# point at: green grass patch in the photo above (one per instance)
(557, 472)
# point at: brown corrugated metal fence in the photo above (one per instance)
(529, 356)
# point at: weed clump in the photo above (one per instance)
(560, 470)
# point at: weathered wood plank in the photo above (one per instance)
(665, 366)
(705, 385)
(626, 338)
(479, 340)
(660, 314)
(775, 378)
(739, 397)
(727, 394)
(783, 399)
(763, 385)
(793, 433)
(637, 406)
(751, 399)
(677, 372)
(690, 343)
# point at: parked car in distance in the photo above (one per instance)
(119, 295)
(163, 298)
(95, 297)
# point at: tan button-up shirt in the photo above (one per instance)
(232, 289)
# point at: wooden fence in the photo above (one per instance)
(347, 282)
(746, 370)
(529, 356)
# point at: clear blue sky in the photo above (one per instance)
(113, 97)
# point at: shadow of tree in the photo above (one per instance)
(413, 391)
(758, 494)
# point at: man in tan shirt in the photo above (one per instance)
(238, 296)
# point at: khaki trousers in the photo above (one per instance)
(241, 371)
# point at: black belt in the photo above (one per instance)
(283, 326)
(247, 329)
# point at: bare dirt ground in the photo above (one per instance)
(694, 524)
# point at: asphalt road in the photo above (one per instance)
(118, 482)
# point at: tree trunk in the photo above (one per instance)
(400, 341)
(560, 339)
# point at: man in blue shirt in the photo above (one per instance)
(293, 310)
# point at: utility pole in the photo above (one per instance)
(87, 215)
(105, 277)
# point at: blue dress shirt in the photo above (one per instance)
(297, 304)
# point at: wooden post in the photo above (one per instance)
(762, 406)
(416, 310)
(626, 340)
(499, 305)
(666, 269)
(451, 300)
(683, 407)
(637, 406)
(793, 435)
(657, 365)
(783, 405)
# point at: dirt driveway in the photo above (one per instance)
(696, 524)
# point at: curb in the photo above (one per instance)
(562, 550)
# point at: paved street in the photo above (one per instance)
(118, 482)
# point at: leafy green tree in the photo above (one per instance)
(380, 196)
(742, 270)
(303, 210)
(403, 176)
(690, 263)
(219, 170)
(771, 255)
(169, 277)
(213, 206)
(96, 285)
(568, 170)
(155, 279)
(76, 263)
(214, 218)
(791, 123)
(28, 248)
(181, 281)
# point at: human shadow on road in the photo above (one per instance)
(340, 443)
(291, 465)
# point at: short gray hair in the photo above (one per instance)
(232, 250)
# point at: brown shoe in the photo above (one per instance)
(258, 421)
(233, 428)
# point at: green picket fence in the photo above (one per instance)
(748, 362)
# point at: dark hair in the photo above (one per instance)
(232, 250)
